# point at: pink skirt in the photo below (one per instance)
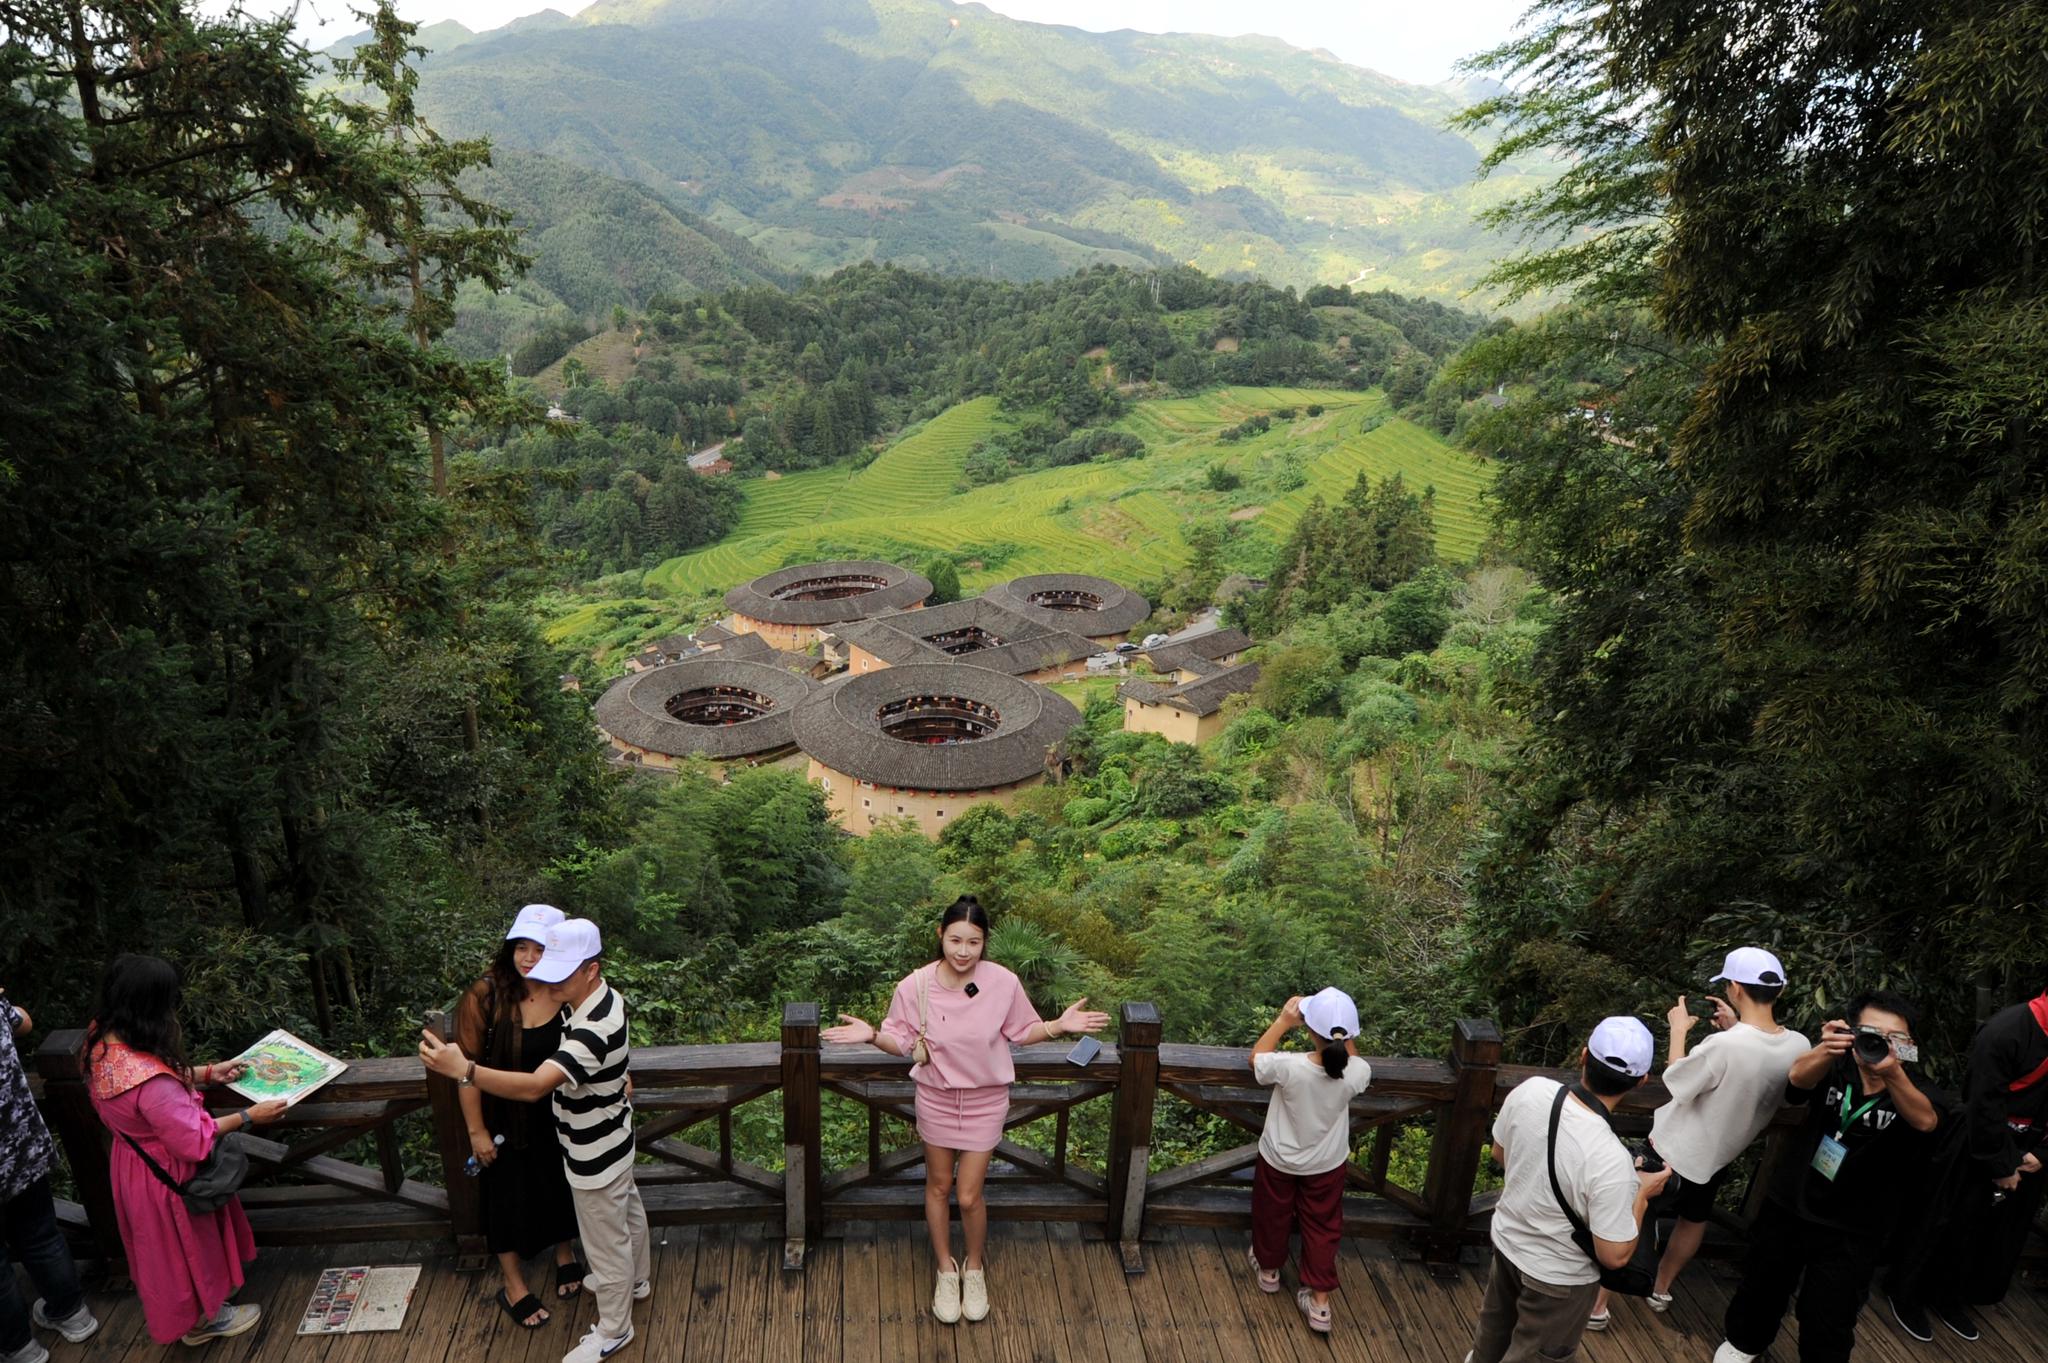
(967, 1120)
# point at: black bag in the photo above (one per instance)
(214, 1182)
(1636, 1278)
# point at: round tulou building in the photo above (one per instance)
(788, 607)
(928, 741)
(729, 711)
(1093, 607)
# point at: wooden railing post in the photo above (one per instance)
(61, 1062)
(451, 1140)
(1130, 1147)
(803, 1157)
(1462, 1129)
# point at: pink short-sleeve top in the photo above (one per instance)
(969, 1035)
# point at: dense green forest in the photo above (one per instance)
(798, 379)
(1760, 653)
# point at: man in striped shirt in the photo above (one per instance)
(594, 1120)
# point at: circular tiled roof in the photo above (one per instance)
(772, 597)
(634, 709)
(1102, 606)
(841, 727)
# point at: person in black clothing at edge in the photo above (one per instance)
(1989, 1184)
(1838, 1190)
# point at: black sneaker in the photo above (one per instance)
(1913, 1320)
(1957, 1319)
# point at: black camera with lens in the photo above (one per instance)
(1872, 1048)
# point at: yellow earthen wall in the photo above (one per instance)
(859, 808)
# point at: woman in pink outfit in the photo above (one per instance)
(957, 1019)
(185, 1267)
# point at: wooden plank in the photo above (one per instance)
(1147, 1299)
(1181, 1064)
(753, 1270)
(1432, 1340)
(1273, 1324)
(1093, 1302)
(1024, 1309)
(711, 1296)
(1210, 1328)
(822, 1310)
(710, 1162)
(860, 1293)
(1215, 1166)
(782, 1335)
(663, 1320)
(908, 1260)
(1396, 1306)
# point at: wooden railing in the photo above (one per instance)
(301, 1193)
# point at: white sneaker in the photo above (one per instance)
(1599, 1320)
(643, 1289)
(596, 1346)
(76, 1328)
(233, 1320)
(1728, 1353)
(974, 1294)
(1660, 1302)
(946, 1298)
(31, 1352)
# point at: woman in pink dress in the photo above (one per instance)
(962, 1013)
(185, 1267)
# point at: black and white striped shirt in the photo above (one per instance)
(593, 1117)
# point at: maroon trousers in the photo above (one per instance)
(1312, 1204)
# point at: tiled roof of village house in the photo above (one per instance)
(1121, 607)
(1203, 696)
(757, 600)
(634, 708)
(841, 727)
(1027, 645)
(1206, 647)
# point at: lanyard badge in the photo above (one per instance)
(1828, 1156)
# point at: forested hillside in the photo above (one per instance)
(946, 137)
(833, 372)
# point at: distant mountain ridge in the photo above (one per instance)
(949, 137)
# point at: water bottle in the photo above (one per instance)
(473, 1166)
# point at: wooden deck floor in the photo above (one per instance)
(720, 1294)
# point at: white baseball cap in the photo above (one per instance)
(534, 921)
(1751, 965)
(567, 946)
(1330, 1013)
(1623, 1044)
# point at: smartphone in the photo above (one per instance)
(1085, 1050)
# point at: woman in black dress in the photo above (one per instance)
(525, 1194)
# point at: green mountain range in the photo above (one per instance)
(949, 137)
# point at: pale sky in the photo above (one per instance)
(1410, 39)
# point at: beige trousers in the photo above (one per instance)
(613, 1227)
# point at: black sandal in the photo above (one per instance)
(524, 1310)
(569, 1279)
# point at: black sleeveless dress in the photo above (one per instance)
(525, 1193)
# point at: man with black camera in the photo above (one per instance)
(1838, 1191)
(1554, 1141)
(1724, 1092)
(1989, 1182)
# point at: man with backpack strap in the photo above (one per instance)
(1547, 1253)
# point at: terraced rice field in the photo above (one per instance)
(1121, 519)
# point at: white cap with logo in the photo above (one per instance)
(568, 945)
(1330, 1013)
(1623, 1044)
(1751, 965)
(534, 921)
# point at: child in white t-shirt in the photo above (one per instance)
(1299, 1180)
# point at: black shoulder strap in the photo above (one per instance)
(154, 1167)
(1556, 1188)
